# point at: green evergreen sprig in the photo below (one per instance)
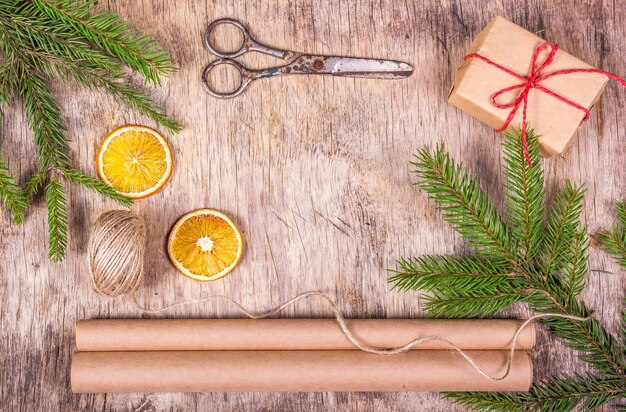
(614, 241)
(534, 254)
(556, 394)
(42, 40)
(57, 219)
(11, 194)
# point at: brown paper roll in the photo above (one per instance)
(294, 371)
(293, 334)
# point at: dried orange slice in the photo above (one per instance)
(135, 160)
(205, 245)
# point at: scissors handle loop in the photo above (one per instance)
(248, 43)
(245, 44)
(245, 77)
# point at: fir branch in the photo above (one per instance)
(472, 304)
(623, 332)
(137, 100)
(464, 205)
(93, 76)
(614, 241)
(449, 273)
(7, 83)
(11, 194)
(524, 194)
(34, 184)
(544, 266)
(42, 40)
(44, 115)
(620, 208)
(594, 343)
(41, 37)
(57, 220)
(575, 269)
(557, 394)
(96, 185)
(561, 228)
(109, 32)
(461, 287)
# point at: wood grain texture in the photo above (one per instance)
(315, 172)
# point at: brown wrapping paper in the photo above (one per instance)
(512, 47)
(292, 334)
(294, 371)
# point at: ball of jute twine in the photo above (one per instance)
(116, 252)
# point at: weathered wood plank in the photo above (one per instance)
(314, 170)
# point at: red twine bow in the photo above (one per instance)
(532, 81)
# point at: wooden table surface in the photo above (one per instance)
(314, 171)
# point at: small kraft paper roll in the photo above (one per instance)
(294, 334)
(295, 371)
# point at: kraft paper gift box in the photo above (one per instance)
(512, 47)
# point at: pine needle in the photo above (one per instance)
(34, 184)
(57, 220)
(11, 194)
(464, 205)
(614, 241)
(557, 394)
(562, 224)
(533, 254)
(97, 185)
(524, 194)
(44, 40)
(107, 31)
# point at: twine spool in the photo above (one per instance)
(116, 251)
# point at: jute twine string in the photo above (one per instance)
(116, 252)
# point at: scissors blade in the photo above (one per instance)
(368, 68)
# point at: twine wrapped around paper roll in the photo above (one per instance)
(295, 371)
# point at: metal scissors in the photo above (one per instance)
(297, 63)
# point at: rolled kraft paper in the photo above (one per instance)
(293, 334)
(295, 371)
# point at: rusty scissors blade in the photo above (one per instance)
(297, 63)
(366, 68)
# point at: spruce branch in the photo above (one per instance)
(44, 116)
(594, 344)
(471, 304)
(57, 219)
(109, 32)
(38, 36)
(464, 205)
(524, 194)
(41, 40)
(614, 241)
(96, 185)
(562, 226)
(449, 273)
(137, 100)
(34, 184)
(11, 194)
(557, 394)
(533, 254)
(89, 73)
(576, 267)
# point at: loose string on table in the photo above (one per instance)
(532, 81)
(347, 331)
